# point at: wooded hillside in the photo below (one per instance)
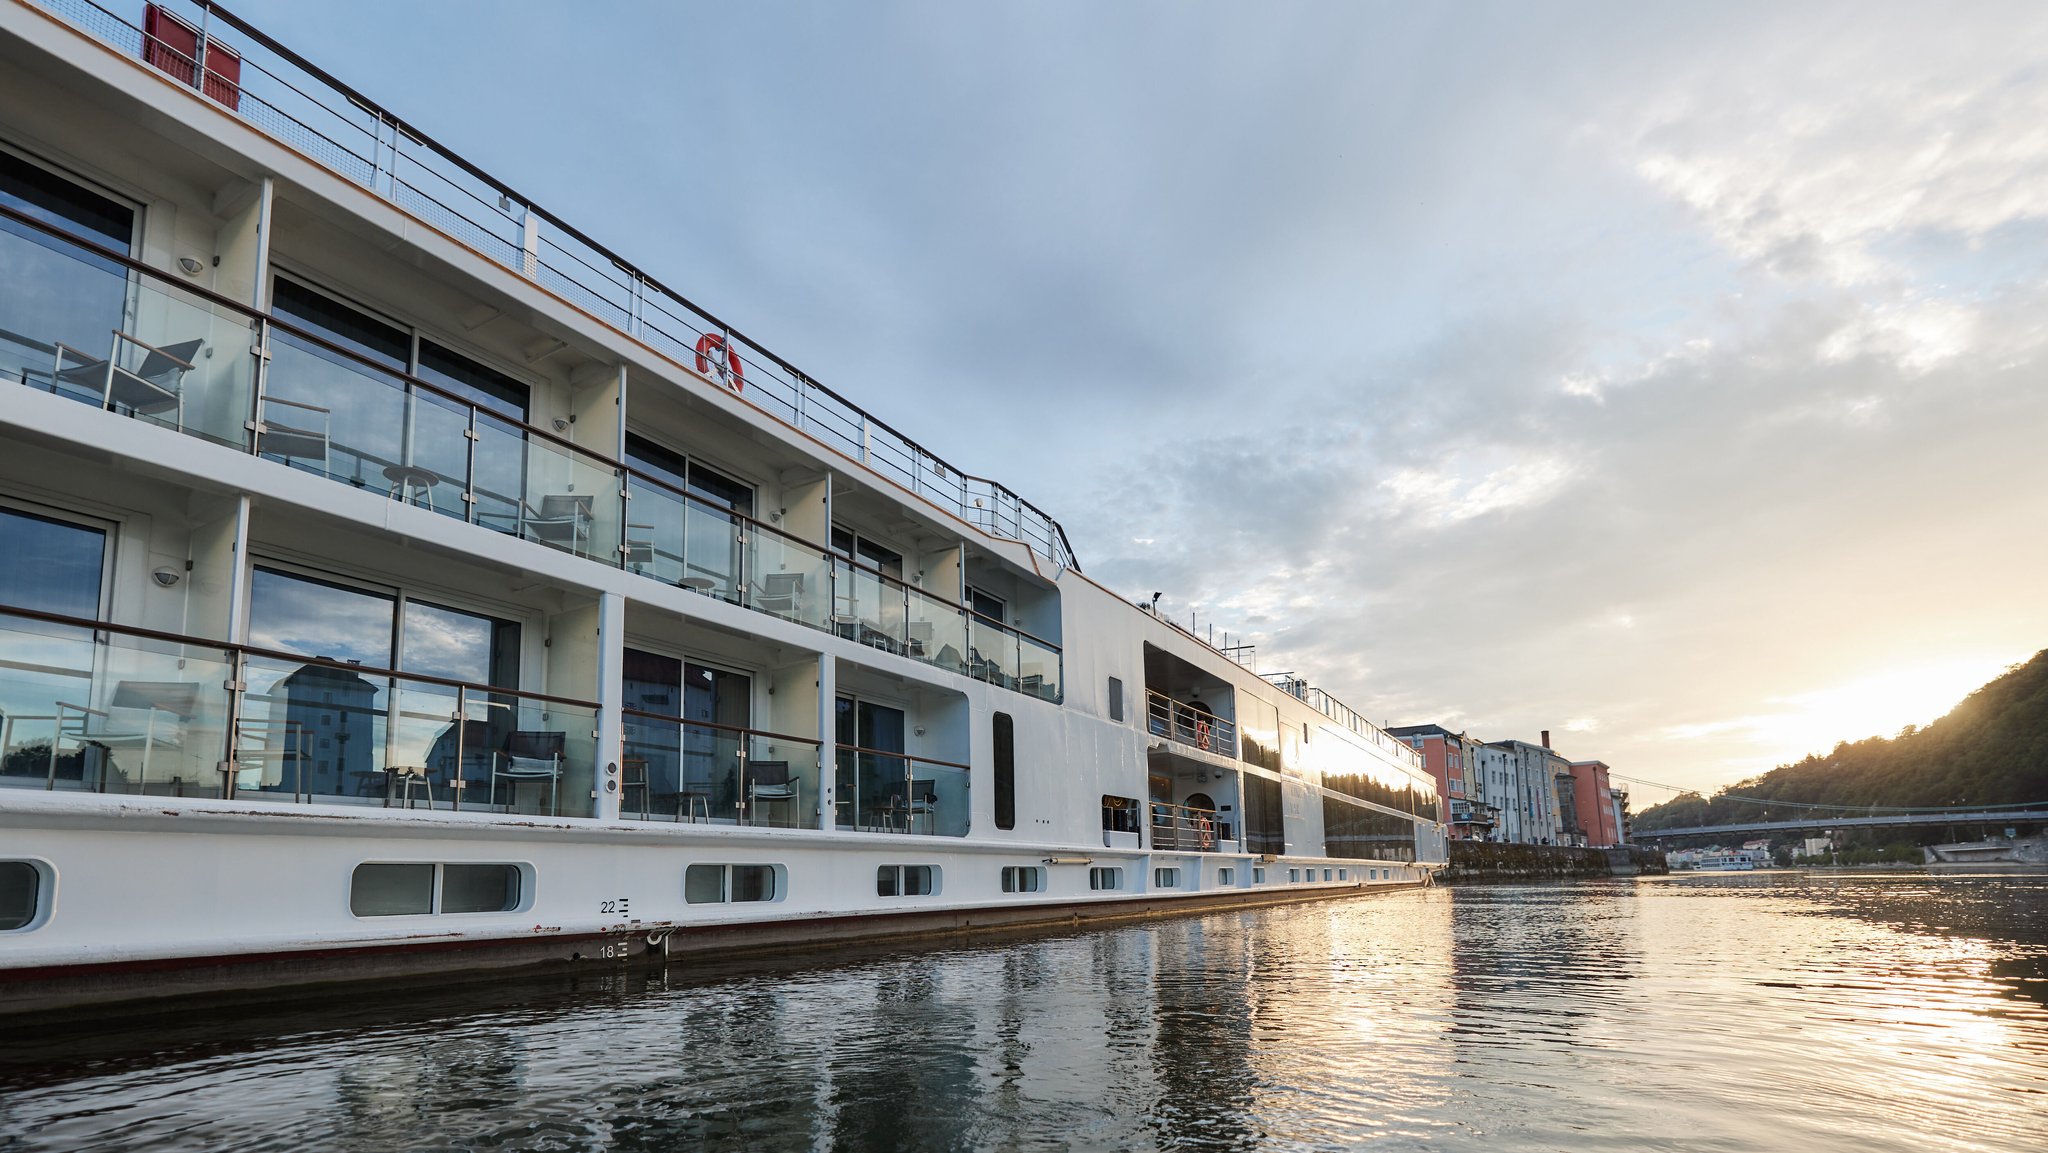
(1992, 749)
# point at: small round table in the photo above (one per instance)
(410, 482)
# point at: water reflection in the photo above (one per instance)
(1754, 1012)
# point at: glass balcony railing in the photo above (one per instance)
(319, 408)
(315, 730)
(676, 770)
(885, 792)
(92, 707)
(93, 330)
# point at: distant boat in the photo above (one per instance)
(1998, 851)
(1725, 863)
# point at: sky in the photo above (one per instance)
(1666, 377)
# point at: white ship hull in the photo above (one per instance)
(411, 584)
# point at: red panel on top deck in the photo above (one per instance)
(172, 46)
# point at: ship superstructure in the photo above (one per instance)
(393, 577)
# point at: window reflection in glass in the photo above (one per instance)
(296, 614)
(51, 566)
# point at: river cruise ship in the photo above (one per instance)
(393, 578)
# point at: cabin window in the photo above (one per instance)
(1327, 875)
(50, 565)
(1116, 699)
(1005, 762)
(1023, 879)
(423, 888)
(1293, 875)
(1343, 874)
(21, 891)
(986, 604)
(1119, 814)
(1166, 878)
(905, 881)
(1258, 875)
(1226, 876)
(1105, 878)
(731, 884)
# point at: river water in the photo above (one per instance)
(1869, 1012)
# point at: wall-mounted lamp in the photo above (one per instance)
(562, 423)
(919, 730)
(166, 576)
(191, 265)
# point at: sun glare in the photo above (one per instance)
(1880, 704)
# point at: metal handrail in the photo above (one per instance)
(632, 309)
(1178, 722)
(644, 715)
(900, 756)
(229, 648)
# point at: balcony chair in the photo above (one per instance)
(919, 804)
(562, 521)
(530, 756)
(299, 433)
(156, 385)
(145, 715)
(771, 781)
(918, 638)
(781, 593)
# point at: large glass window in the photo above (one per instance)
(874, 778)
(51, 566)
(695, 543)
(51, 293)
(332, 731)
(295, 614)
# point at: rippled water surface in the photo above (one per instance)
(1730, 1012)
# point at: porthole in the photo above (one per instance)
(21, 895)
(1023, 879)
(396, 889)
(1166, 878)
(731, 884)
(906, 880)
(1105, 878)
(1226, 876)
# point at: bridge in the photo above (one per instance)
(2034, 815)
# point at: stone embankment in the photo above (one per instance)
(1473, 861)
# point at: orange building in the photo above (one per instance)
(1593, 797)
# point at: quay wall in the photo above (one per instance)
(1479, 861)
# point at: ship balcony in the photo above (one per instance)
(692, 771)
(1192, 829)
(1187, 725)
(94, 707)
(92, 325)
(891, 792)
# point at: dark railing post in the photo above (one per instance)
(237, 684)
(469, 498)
(461, 725)
(259, 382)
(199, 53)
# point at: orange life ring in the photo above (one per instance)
(1201, 734)
(708, 345)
